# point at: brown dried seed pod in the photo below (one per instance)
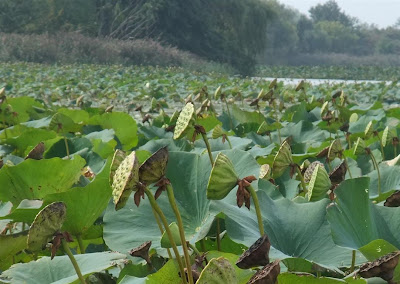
(393, 200)
(383, 267)
(142, 251)
(256, 255)
(267, 275)
(338, 174)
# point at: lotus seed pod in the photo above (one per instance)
(153, 169)
(267, 275)
(256, 255)
(184, 119)
(283, 159)
(223, 178)
(310, 169)
(383, 267)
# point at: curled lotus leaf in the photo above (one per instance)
(117, 159)
(263, 128)
(310, 170)
(37, 152)
(324, 108)
(273, 83)
(353, 117)
(166, 242)
(182, 124)
(300, 86)
(387, 136)
(217, 132)
(223, 178)
(282, 160)
(153, 169)
(359, 148)
(368, 130)
(335, 150)
(265, 172)
(218, 92)
(47, 222)
(319, 184)
(125, 179)
(218, 270)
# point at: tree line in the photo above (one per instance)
(237, 32)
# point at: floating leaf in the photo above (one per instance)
(47, 222)
(223, 178)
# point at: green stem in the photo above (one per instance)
(218, 237)
(229, 114)
(161, 229)
(258, 211)
(347, 166)
(383, 153)
(157, 208)
(196, 251)
(378, 171)
(66, 146)
(279, 136)
(394, 150)
(174, 207)
(353, 261)
(80, 244)
(208, 148)
(73, 261)
(203, 245)
(229, 141)
(303, 184)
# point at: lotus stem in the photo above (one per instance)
(208, 148)
(383, 153)
(73, 261)
(279, 136)
(378, 171)
(229, 114)
(347, 166)
(218, 237)
(303, 184)
(353, 261)
(203, 245)
(394, 150)
(195, 250)
(257, 206)
(229, 142)
(174, 207)
(157, 208)
(66, 146)
(80, 244)
(161, 229)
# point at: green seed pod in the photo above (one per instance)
(218, 270)
(223, 178)
(282, 160)
(153, 169)
(319, 184)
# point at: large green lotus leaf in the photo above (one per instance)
(77, 115)
(218, 145)
(47, 222)
(282, 160)
(24, 107)
(390, 180)
(131, 226)
(223, 178)
(25, 212)
(12, 244)
(60, 270)
(295, 229)
(173, 145)
(355, 221)
(242, 116)
(360, 125)
(184, 119)
(85, 204)
(76, 145)
(218, 270)
(305, 132)
(290, 278)
(168, 274)
(208, 122)
(63, 124)
(34, 179)
(123, 124)
(30, 138)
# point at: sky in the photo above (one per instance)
(382, 13)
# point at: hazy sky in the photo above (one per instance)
(380, 12)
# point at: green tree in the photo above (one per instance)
(331, 12)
